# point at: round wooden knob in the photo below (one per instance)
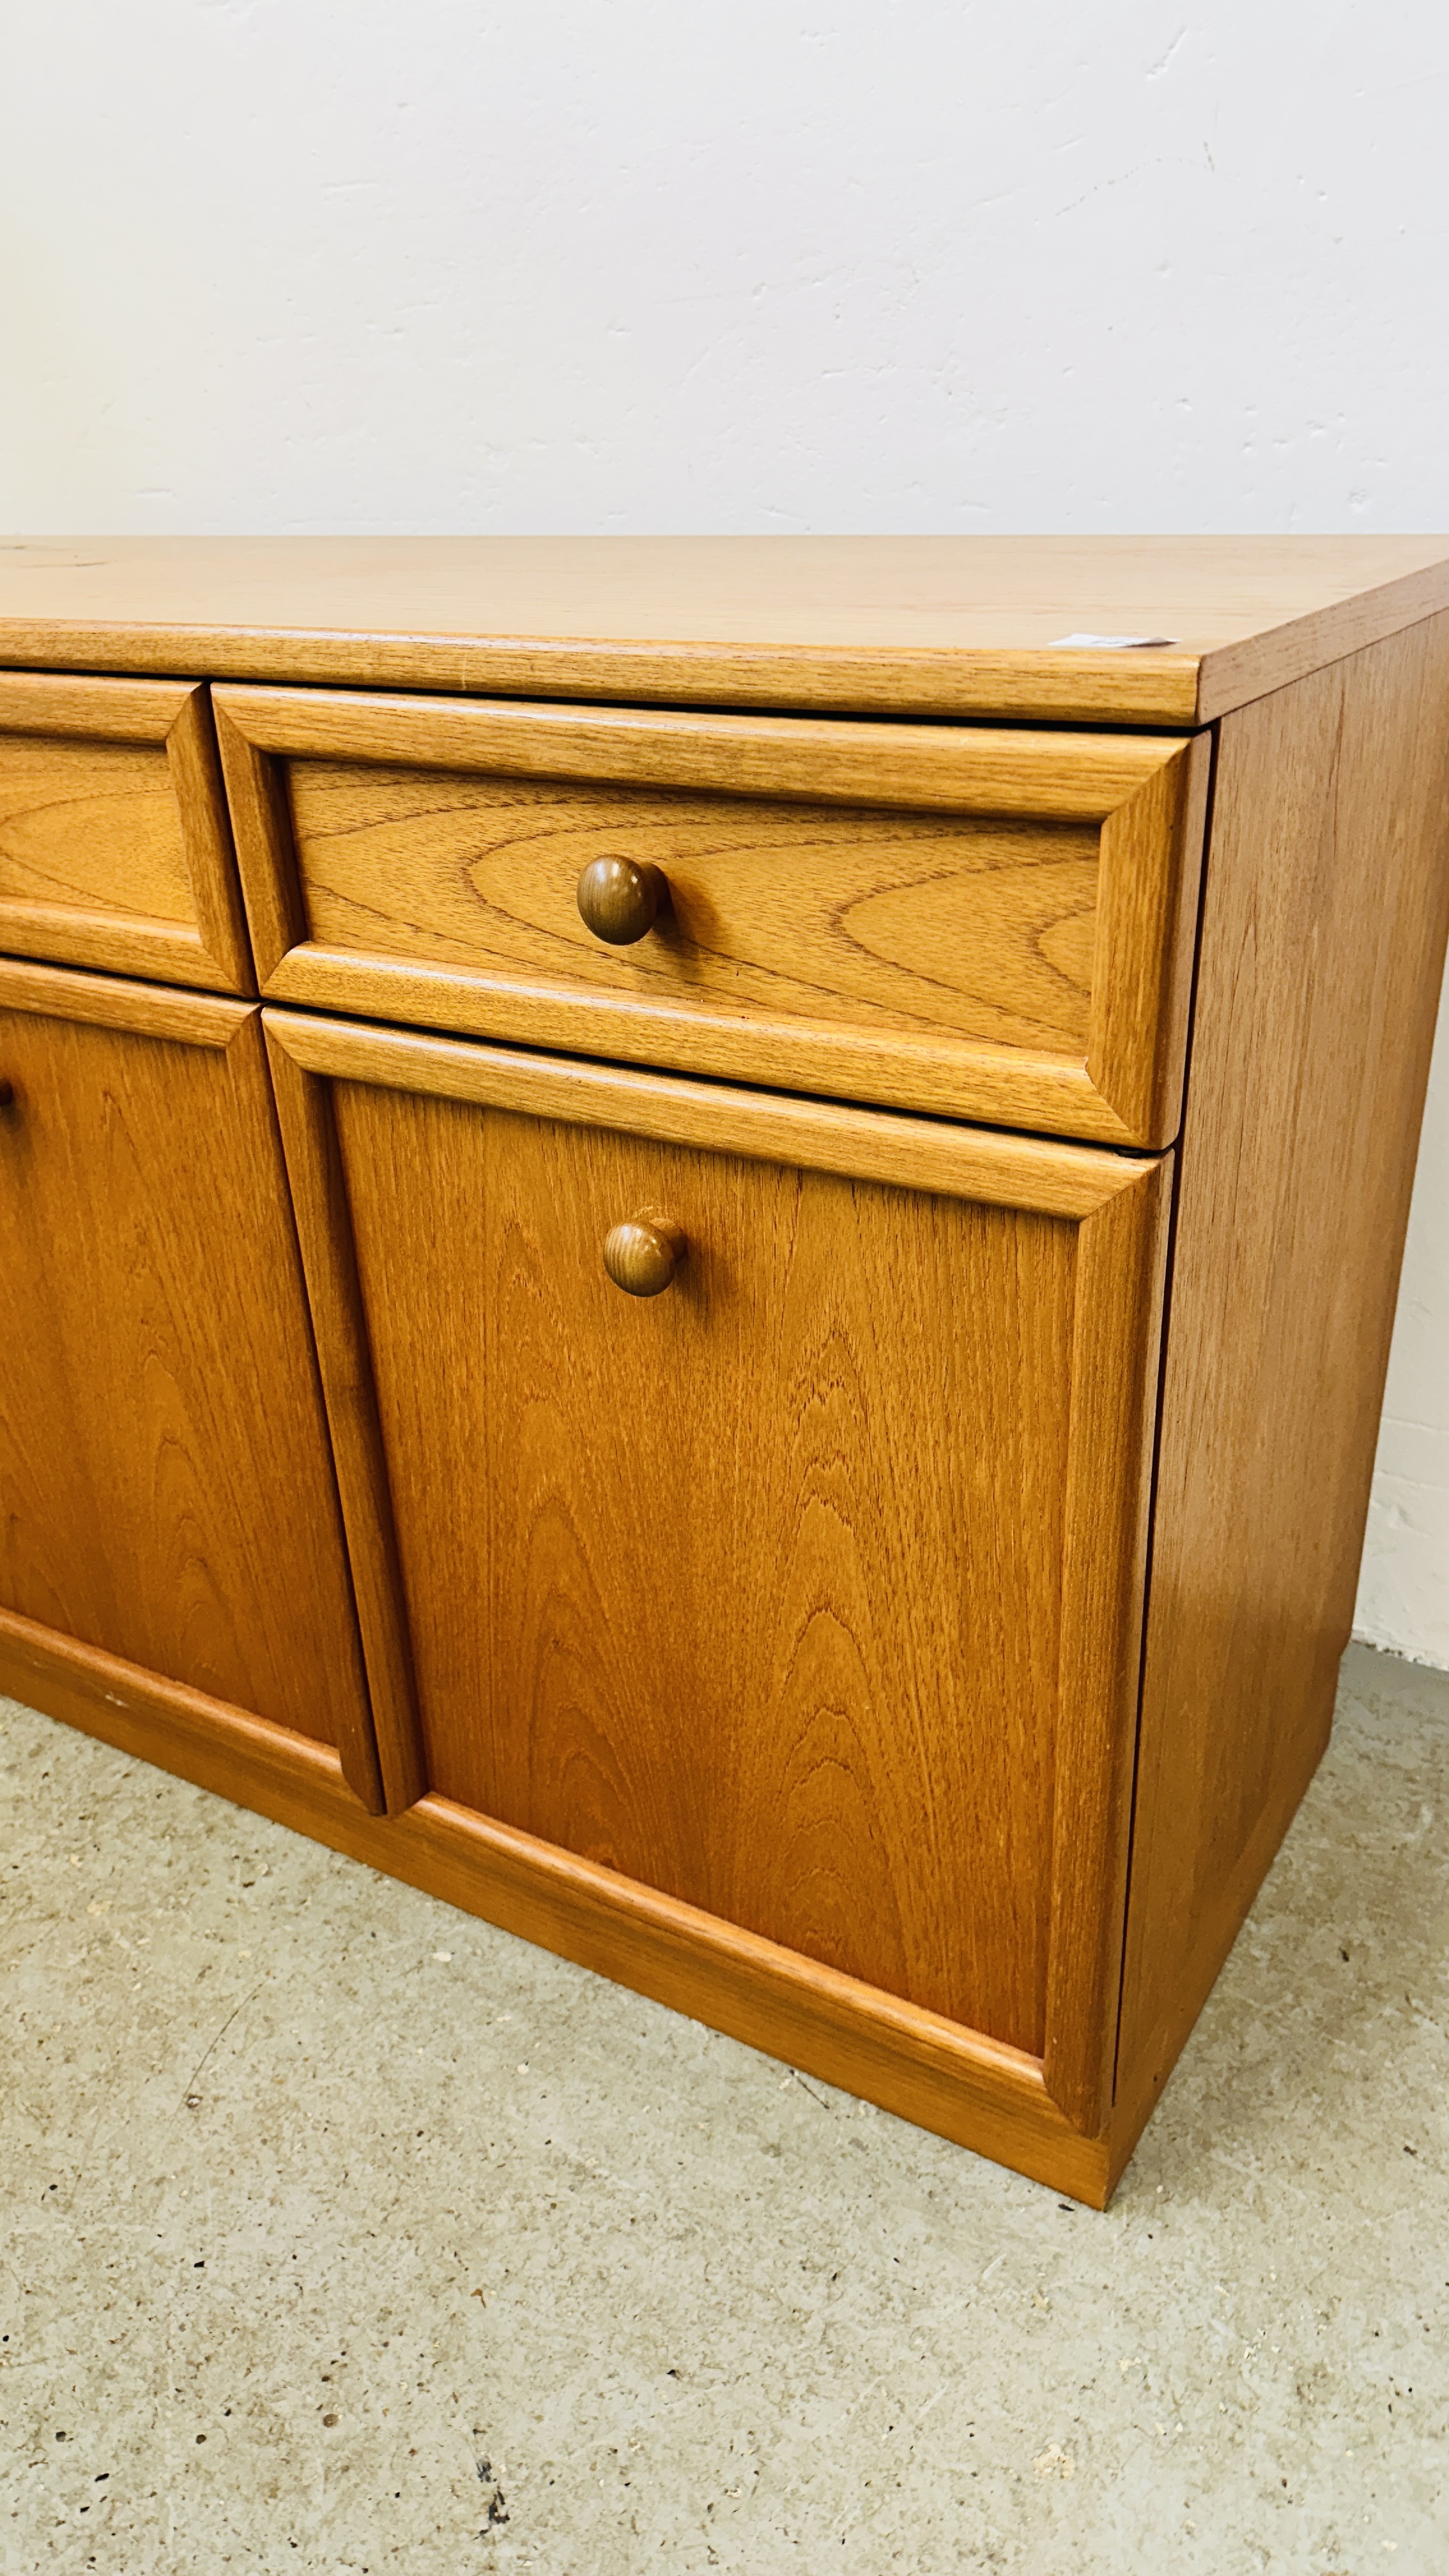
(618, 900)
(642, 1255)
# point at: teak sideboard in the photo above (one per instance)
(701, 1238)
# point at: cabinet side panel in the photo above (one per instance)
(1322, 951)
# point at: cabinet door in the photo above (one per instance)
(166, 1489)
(806, 1590)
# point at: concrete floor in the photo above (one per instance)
(342, 2232)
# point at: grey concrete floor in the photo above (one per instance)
(343, 2232)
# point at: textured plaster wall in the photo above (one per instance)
(596, 264)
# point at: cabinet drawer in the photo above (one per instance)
(993, 925)
(805, 1591)
(115, 849)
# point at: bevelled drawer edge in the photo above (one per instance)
(1146, 797)
(173, 719)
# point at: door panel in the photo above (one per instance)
(807, 1591)
(165, 1485)
(749, 1590)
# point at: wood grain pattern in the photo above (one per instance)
(1047, 1095)
(165, 1487)
(200, 793)
(945, 2079)
(942, 769)
(115, 848)
(90, 827)
(972, 923)
(870, 1403)
(324, 1228)
(1146, 937)
(938, 626)
(917, 1153)
(880, 931)
(61, 708)
(256, 791)
(1121, 1260)
(849, 1391)
(1322, 950)
(111, 1002)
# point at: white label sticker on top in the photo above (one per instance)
(1113, 643)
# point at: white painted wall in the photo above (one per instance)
(750, 264)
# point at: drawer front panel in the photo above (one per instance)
(115, 850)
(889, 925)
(91, 827)
(765, 1590)
(981, 925)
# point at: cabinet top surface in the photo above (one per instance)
(944, 626)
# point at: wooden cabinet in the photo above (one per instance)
(760, 1360)
(168, 1497)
